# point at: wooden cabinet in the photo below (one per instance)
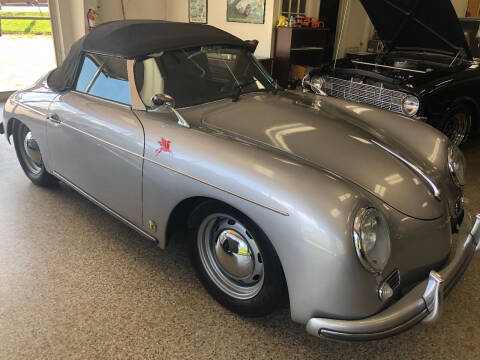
(473, 9)
(302, 46)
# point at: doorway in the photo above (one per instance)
(26, 44)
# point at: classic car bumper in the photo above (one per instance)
(422, 303)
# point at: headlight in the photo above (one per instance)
(317, 84)
(372, 239)
(456, 165)
(306, 82)
(410, 105)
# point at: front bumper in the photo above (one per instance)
(422, 303)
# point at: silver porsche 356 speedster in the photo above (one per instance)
(351, 214)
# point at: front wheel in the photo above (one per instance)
(30, 158)
(457, 124)
(235, 261)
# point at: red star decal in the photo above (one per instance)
(164, 146)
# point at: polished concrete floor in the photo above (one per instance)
(76, 283)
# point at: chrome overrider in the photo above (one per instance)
(422, 303)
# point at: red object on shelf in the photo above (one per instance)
(318, 24)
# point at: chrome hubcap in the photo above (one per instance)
(32, 149)
(233, 254)
(457, 128)
(230, 256)
(31, 152)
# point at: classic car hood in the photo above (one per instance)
(430, 25)
(326, 137)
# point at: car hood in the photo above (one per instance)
(430, 25)
(330, 136)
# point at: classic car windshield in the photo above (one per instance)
(200, 75)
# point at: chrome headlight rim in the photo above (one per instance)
(317, 84)
(456, 165)
(410, 105)
(363, 255)
(306, 82)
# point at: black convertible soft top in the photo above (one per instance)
(135, 39)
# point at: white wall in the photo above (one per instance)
(460, 7)
(134, 9)
(62, 29)
(77, 21)
(312, 8)
(177, 10)
(357, 28)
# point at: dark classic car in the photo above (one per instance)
(425, 71)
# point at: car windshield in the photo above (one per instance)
(200, 75)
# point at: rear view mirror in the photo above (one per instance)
(162, 100)
(159, 100)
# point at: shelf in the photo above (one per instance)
(303, 28)
(301, 46)
(307, 48)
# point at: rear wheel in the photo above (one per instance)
(235, 261)
(457, 124)
(29, 156)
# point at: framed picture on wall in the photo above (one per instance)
(246, 11)
(197, 11)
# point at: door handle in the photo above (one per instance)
(54, 118)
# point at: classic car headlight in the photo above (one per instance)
(317, 84)
(372, 239)
(410, 105)
(306, 82)
(456, 165)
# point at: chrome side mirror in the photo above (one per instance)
(159, 100)
(162, 99)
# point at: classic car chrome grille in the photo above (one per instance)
(365, 94)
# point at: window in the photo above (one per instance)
(293, 7)
(105, 77)
(200, 75)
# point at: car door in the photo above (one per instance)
(95, 141)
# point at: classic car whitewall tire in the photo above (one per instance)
(30, 158)
(235, 261)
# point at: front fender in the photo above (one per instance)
(307, 213)
(316, 249)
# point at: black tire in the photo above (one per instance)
(272, 293)
(35, 171)
(457, 124)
